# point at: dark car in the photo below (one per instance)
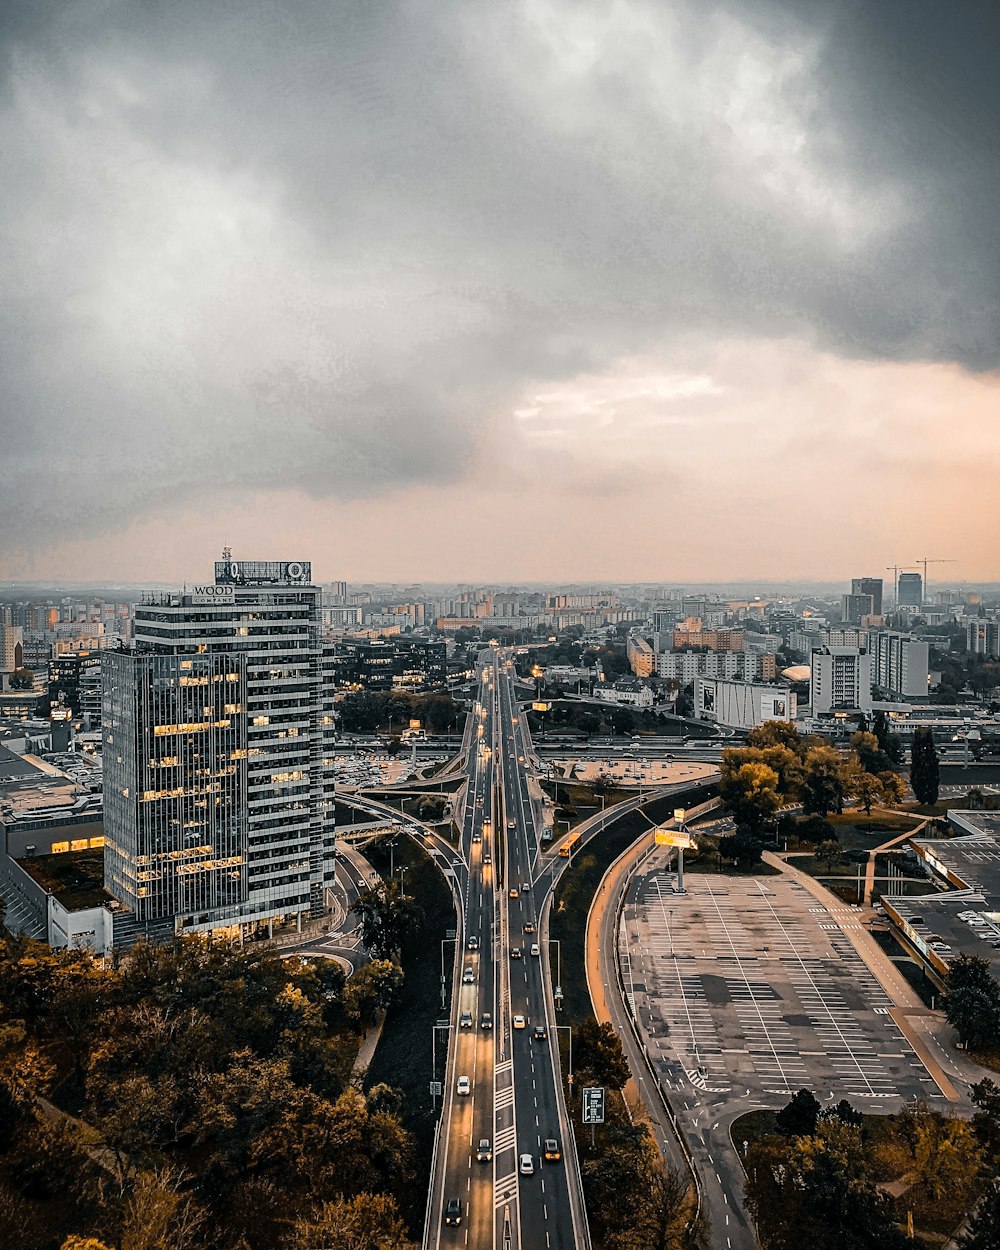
(539, 1033)
(515, 952)
(453, 1211)
(552, 1152)
(487, 1021)
(529, 927)
(484, 1152)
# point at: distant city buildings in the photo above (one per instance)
(872, 587)
(910, 592)
(982, 637)
(641, 656)
(901, 664)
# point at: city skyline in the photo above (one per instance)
(547, 291)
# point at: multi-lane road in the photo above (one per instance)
(501, 1082)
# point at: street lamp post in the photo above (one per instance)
(443, 995)
(434, 1033)
(402, 868)
(558, 994)
(569, 1076)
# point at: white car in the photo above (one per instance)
(468, 977)
(464, 1086)
(526, 1166)
(535, 950)
(519, 1022)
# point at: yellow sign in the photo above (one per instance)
(414, 724)
(673, 837)
(541, 707)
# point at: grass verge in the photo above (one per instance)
(575, 895)
(403, 1056)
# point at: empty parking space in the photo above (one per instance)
(746, 987)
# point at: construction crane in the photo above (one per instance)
(895, 570)
(925, 560)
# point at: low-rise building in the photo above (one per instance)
(742, 704)
(624, 694)
(964, 918)
(641, 656)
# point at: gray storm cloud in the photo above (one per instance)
(248, 246)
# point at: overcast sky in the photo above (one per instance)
(470, 290)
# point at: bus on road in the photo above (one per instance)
(566, 849)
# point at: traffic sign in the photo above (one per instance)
(436, 1089)
(593, 1104)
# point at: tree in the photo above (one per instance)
(799, 1116)
(740, 849)
(972, 1002)
(862, 786)
(819, 1191)
(986, 1121)
(22, 679)
(888, 742)
(924, 770)
(830, 854)
(824, 782)
(777, 733)
(371, 989)
(364, 1222)
(893, 787)
(388, 920)
(983, 1229)
(752, 796)
(845, 1113)
(598, 1051)
(161, 1215)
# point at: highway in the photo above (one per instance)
(513, 1097)
(547, 1215)
(468, 1118)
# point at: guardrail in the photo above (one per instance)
(633, 1027)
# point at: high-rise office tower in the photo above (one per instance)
(910, 590)
(869, 586)
(175, 787)
(265, 617)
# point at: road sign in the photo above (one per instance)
(673, 837)
(593, 1104)
(436, 1089)
(450, 934)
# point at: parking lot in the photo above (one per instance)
(632, 772)
(749, 989)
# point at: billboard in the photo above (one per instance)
(541, 707)
(673, 837)
(262, 572)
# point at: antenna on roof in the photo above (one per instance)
(227, 553)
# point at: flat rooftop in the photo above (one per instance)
(965, 919)
(76, 878)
